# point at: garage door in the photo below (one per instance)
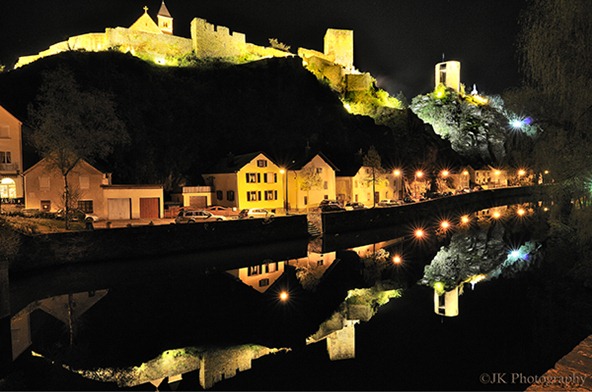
(120, 208)
(149, 207)
(198, 201)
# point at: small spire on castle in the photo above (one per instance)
(145, 9)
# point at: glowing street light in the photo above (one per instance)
(419, 233)
(521, 211)
(521, 172)
(397, 259)
(496, 215)
(284, 296)
(445, 225)
(464, 219)
(445, 173)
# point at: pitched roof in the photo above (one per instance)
(146, 24)
(164, 11)
(300, 163)
(233, 163)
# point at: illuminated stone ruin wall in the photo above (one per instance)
(162, 49)
(216, 41)
(358, 82)
(339, 46)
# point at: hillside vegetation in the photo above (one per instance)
(182, 120)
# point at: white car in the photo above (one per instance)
(189, 216)
(255, 213)
(388, 203)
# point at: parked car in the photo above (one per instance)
(331, 208)
(223, 211)
(326, 202)
(354, 206)
(408, 199)
(190, 216)
(432, 195)
(251, 213)
(77, 215)
(388, 203)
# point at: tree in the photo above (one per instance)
(554, 48)
(70, 125)
(373, 161)
(309, 178)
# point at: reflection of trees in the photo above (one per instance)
(476, 255)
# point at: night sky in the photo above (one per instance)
(397, 41)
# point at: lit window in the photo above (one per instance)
(261, 163)
(252, 196)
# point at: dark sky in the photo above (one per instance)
(397, 41)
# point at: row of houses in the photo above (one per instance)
(252, 180)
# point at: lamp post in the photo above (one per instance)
(397, 174)
(285, 173)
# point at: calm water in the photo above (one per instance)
(354, 318)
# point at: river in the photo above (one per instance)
(478, 305)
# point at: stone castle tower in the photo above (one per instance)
(339, 46)
(448, 74)
(165, 20)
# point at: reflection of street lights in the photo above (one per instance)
(285, 173)
(418, 174)
(497, 174)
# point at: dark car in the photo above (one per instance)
(408, 199)
(354, 206)
(331, 208)
(327, 202)
(432, 195)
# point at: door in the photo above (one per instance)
(198, 201)
(149, 207)
(119, 208)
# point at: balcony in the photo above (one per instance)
(8, 167)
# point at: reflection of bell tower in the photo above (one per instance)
(165, 20)
(446, 304)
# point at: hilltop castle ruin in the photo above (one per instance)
(155, 41)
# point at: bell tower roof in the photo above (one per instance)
(164, 11)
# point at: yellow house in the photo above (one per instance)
(92, 191)
(247, 181)
(11, 159)
(309, 182)
(490, 177)
(357, 185)
(260, 277)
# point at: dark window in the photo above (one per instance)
(219, 195)
(264, 282)
(261, 163)
(85, 206)
(230, 195)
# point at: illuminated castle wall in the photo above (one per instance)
(448, 74)
(336, 63)
(155, 42)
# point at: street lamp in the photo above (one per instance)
(285, 173)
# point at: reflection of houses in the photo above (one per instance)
(261, 276)
(247, 181)
(11, 160)
(356, 185)
(446, 304)
(93, 192)
(66, 308)
(309, 181)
